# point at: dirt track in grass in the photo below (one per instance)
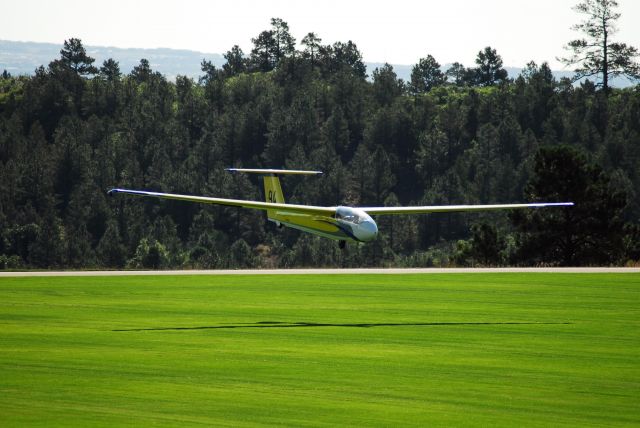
(322, 271)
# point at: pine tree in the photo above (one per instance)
(489, 70)
(598, 54)
(426, 75)
(74, 56)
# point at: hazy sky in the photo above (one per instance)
(396, 31)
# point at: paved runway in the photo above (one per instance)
(390, 271)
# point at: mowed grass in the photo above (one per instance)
(321, 350)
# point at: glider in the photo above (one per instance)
(341, 223)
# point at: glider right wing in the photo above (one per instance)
(279, 208)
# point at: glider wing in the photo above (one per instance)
(279, 208)
(457, 208)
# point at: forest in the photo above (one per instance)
(467, 135)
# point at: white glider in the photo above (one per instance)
(342, 223)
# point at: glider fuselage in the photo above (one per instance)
(348, 224)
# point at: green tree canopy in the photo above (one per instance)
(262, 55)
(589, 233)
(74, 56)
(284, 41)
(236, 62)
(489, 70)
(426, 75)
(344, 56)
(66, 139)
(386, 85)
(110, 70)
(312, 44)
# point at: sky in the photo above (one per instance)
(397, 31)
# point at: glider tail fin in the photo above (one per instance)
(273, 194)
(272, 189)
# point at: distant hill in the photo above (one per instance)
(404, 72)
(24, 57)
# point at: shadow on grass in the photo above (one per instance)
(279, 324)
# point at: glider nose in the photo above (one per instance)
(367, 231)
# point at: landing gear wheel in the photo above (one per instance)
(342, 244)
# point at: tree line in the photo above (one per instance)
(74, 129)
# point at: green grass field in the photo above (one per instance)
(503, 349)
